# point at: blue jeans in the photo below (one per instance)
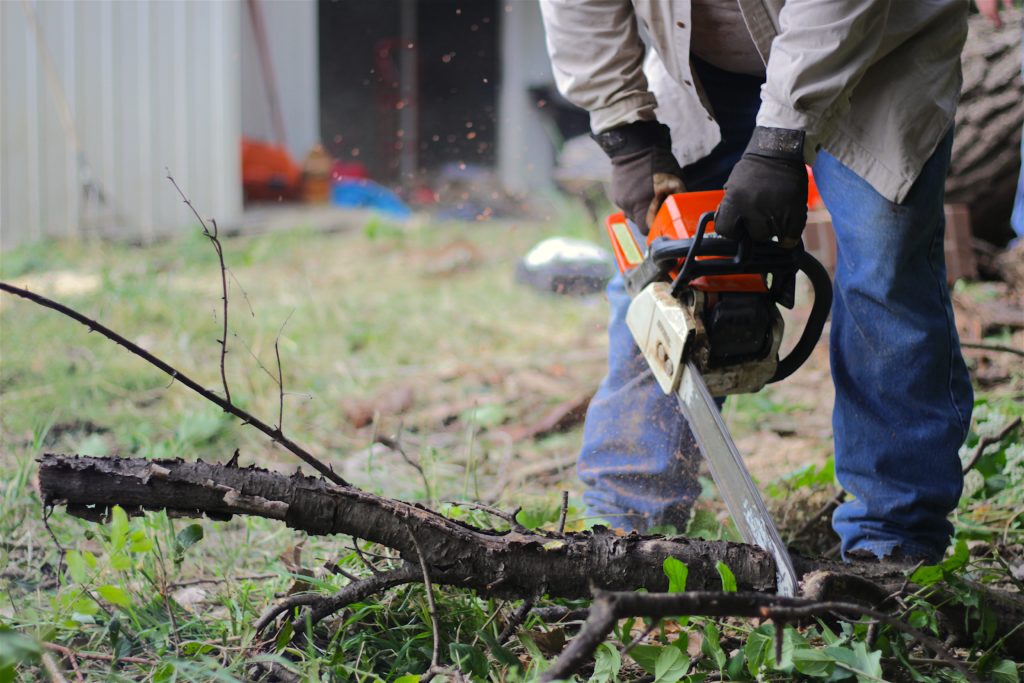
(903, 395)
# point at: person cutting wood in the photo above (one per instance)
(689, 95)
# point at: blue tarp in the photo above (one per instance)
(366, 194)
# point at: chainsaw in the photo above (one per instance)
(705, 314)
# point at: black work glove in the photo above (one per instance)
(644, 171)
(766, 194)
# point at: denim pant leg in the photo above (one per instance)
(903, 396)
(638, 458)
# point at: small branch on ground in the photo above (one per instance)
(516, 620)
(395, 444)
(565, 511)
(986, 441)
(609, 607)
(982, 346)
(435, 653)
(247, 418)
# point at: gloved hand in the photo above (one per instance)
(644, 171)
(766, 194)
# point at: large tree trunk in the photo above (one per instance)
(986, 150)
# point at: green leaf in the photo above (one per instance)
(120, 561)
(76, 566)
(933, 573)
(15, 649)
(284, 637)
(607, 662)
(711, 646)
(118, 527)
(734, 669)
(671, 665)
(115, 595)
(186, 538)
(139, 542)
(676, 572)
(408, 678)
(868, 662)
(866, 665)
(758, 650)
(646, 656)
(1005, 672)
(165, 673)
(468, 658)
(728, 578)
(501, 654)
(814, 663)
(958, 559)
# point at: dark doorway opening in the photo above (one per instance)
(394, 108)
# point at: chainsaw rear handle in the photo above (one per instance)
(750, 257)
(822, 286)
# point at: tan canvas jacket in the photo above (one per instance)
(874, 82)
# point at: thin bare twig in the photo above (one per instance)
(986, 441)
(516, 620)
(564, 513)
(223, 579)
(280, 375)
(47, 511)
(97, 656)
(981, 346)
(247, 418)
(395, 444)
(362, 557)
(435, 655)
(509, 517)
(52, 669)
(215, 241)
(825, 509)
(640, 638)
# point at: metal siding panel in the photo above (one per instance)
(56, 149)
(15, 208)
(150, 85)
(32, 136)
(229, 168)
(149, 173)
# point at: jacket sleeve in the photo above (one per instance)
(822, 51)
(597, 58)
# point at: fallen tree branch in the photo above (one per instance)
(609, 607)
(507, 564)
(504, 564)
(275, 435)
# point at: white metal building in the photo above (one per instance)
(99, 97)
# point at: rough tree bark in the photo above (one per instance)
(515, 564)
(986, 150)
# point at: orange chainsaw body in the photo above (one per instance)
(678, 219)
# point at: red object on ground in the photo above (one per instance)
(349, 169)
(268, 172)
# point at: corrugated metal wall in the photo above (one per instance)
(148, 85)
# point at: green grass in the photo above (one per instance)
(369, 319)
